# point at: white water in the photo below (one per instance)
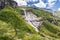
(32, 19)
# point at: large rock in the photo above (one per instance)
(7, 2)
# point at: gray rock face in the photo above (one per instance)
(55, 22)
(7, 2)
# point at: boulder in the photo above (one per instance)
(7, 2)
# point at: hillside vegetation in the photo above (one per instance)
(14, 27)
(48, 29)
(12, 23)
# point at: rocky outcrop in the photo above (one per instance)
(54, 21)
(7, 2)
(32, 19)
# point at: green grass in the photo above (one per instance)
(11, 18)
(41, 13)
(48, 29)
(19, 10)
(34, 37)
(14, 19)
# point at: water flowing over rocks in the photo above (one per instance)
(33, 20)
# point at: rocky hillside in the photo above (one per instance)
(11, 3)
(14, 26)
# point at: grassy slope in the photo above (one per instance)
(9, 18)
(48, 29)
(41, 13)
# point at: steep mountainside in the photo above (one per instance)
(13, 26)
